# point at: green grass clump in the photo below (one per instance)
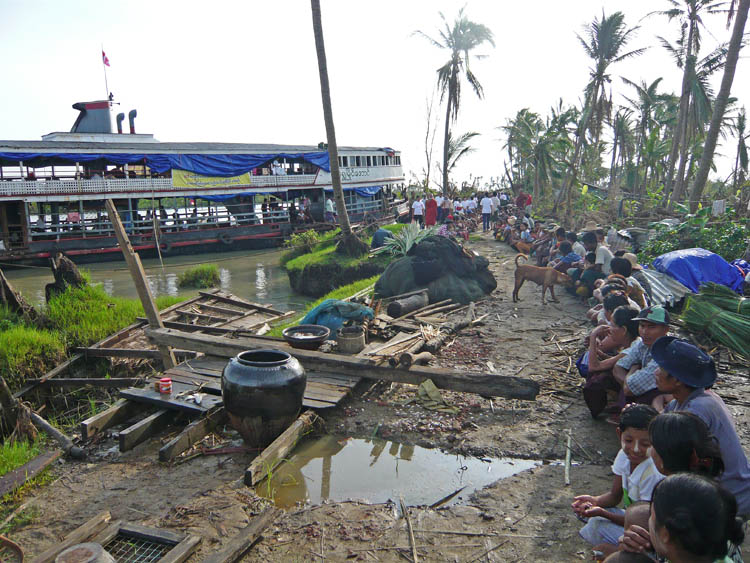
(14, 454)
(339, 293)
(201, 276)
(28, 352)
(328, 255)
(8, 319)
(395, 227)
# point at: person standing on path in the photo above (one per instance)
(486, 205)
(431, 211)
(418, 211)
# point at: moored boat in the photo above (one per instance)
(174, 198)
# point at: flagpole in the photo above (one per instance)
(104, 66)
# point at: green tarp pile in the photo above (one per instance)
(722, 314)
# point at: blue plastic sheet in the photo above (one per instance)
(333, 313)
(693, 267)
(364, 192)
(204, 164)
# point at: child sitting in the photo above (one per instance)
(635, 479)
(585, 279)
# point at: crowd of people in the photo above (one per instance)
(681, 486)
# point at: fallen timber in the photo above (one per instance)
(487, 385)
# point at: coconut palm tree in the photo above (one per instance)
(459, 38)
(622, 141)
(738, 10)
(604, 42)
(739, 129)
(349, 244)
(647, 96)
(459, 148)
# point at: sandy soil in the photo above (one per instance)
(522, 518)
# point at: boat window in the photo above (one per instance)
(369, 161)
(398, 160)
(358, 160)
(345, 160)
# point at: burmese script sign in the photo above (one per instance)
(185, 179)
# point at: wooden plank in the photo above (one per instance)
(79, 535)
(192, 433)
(244, 304)
(315, 404)
(182, 550)
(119, 412)
(94, 352)
(269, 458)
(332, 380)
(202, 328)
(487, 385)
(152, 397)
(49, 375)
(202, 316)
(224, 310)
(101, 382)
(14, 479)
(157, 535)
(107, 534)
(246, 537)
(144, 429)
(139, 280)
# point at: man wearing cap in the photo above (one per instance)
(687, 373)
(636, 370)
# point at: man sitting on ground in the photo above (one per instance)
(567, 257)
(603, 255)
(636, 371)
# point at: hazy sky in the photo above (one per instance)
(245, 71)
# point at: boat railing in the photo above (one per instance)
(22, 188)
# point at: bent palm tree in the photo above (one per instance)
(349, 244)
(460, 38)
(722, 98)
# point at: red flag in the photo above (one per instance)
(105, 60)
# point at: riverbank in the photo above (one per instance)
(527, 515)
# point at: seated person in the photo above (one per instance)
(523, 243)
(687, 373)
(635, 479)
(636, 370)
(621, 266)
(578, 248)
(567, 258)
(584, 279)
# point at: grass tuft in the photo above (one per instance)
(14, 454)
(28, 352)
(201, 276)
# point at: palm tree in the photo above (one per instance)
(647, 97)
(722, 98)
(739, 128)
(349, 244)
(459, 148)
(460, 39)
(604, 42)
(622, 141)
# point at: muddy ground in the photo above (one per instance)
(522, 518)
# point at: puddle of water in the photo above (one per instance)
(335, 468)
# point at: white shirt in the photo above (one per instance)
(495, 202)
(439, 200)
(418, 207)
(329, 206)
(503, 197)
(579, 249)
(277, 170)
(638, 485)
(473, 203)
(486, 204)
(457, 205)
(604, 257)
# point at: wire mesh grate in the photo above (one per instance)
(127, 549)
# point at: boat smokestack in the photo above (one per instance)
(120, 119)
(131, 118)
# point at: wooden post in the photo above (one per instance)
(141, 284)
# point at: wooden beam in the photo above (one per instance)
(138, 353)
(240, 303)
(140, 281)
(144, 429)
(117, 382)
(151, 534)
(182, 550)
(223, 310)
(192, 433)
(79, 535)
(202, 316)
(274, 453)
(246, 537)
(119, 412)
(17, 477)
(49, 375)
(203, 328)
(174, 401)
(487, 385)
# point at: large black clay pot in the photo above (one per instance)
(262, 392)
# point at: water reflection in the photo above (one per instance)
(254, 275)
(376, 470)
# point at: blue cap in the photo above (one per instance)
(684, 361)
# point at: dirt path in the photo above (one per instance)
(523, 518)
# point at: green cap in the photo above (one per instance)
(656, 315)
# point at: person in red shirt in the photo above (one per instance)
(430, 212)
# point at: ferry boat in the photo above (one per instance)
(174, 197)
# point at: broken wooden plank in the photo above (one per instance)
(144, 429)
(93, 381)
(191, 434)
(223, 310)
(202, 316)
(135, 353)
(79, 535)
(182, 550)
(246, 537)
(177, 400)
(17, 477)
(49, 375)
(487, 385)
(241, 303)
(119, 412)
(274, 454)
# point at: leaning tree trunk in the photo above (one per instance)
(349, 244)
(720, 105)
(15, 302)
(446, 138)
(679, 180)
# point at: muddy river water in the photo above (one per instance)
(255, 275)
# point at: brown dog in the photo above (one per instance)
(546, 277)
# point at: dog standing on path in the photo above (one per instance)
(546, 277)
